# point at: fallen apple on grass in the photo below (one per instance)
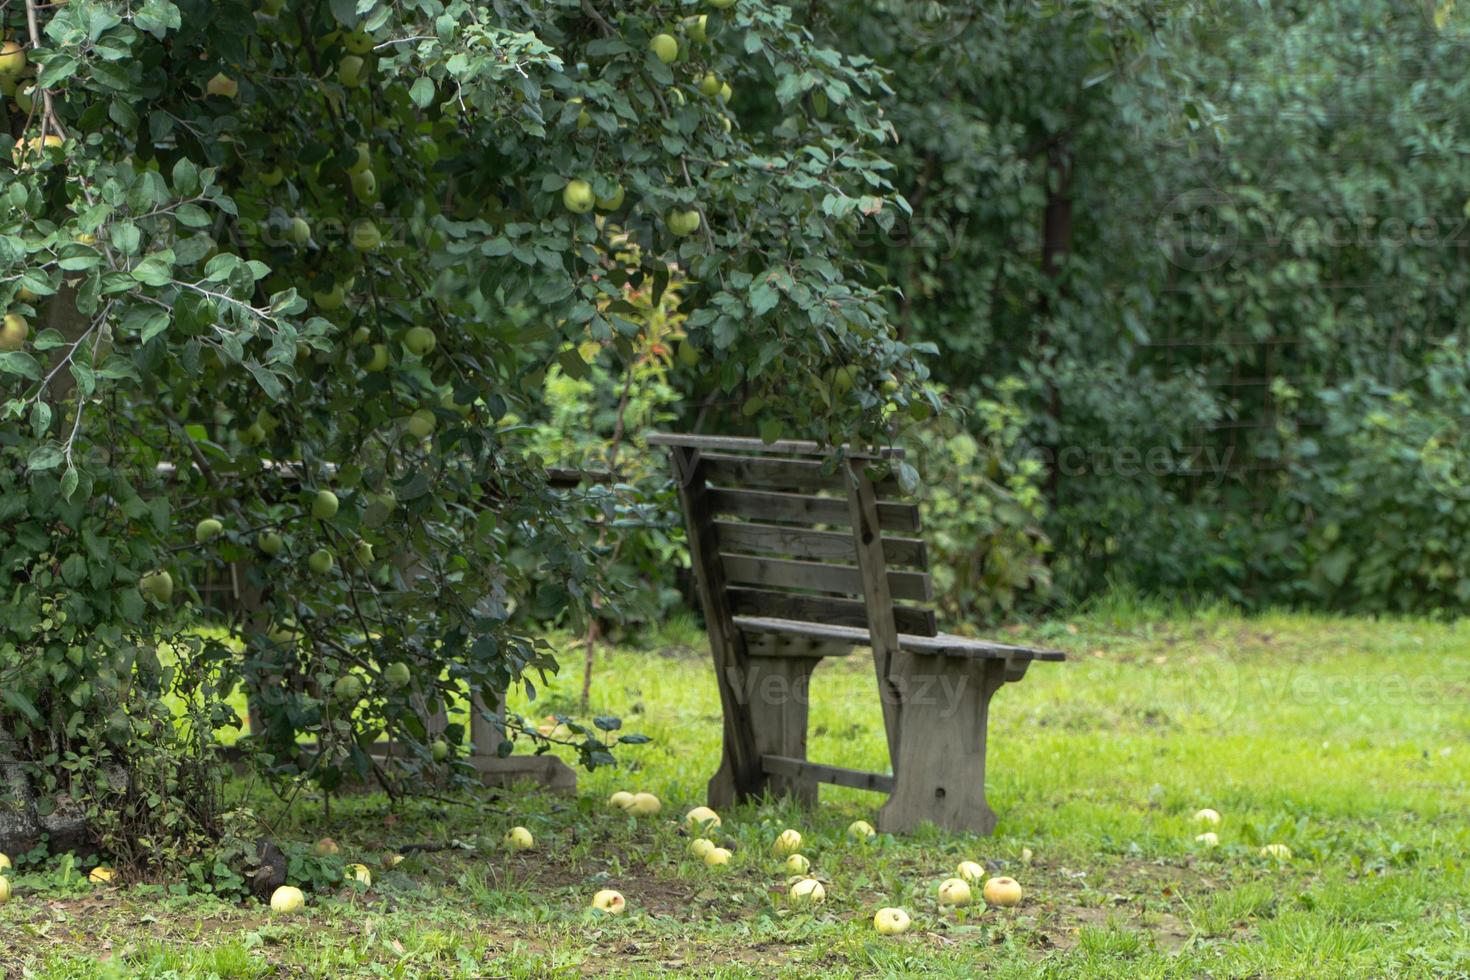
(717, 857)
(360, 874)
(954, 891)
(1207, 817)
(1208, 839)
(807, 892)
(700, 846)
(4, 890)
(891, 922)
(326, 847)
(609, 901)
(5, 864)
(620, 800)
(789, 842)
(861, 830)
(519, 839)
(287, 900)
(701, 818)
(1277, 852)
(644, 805)
(971, 871)
(797, 864)
(102, 875)
(1004, 892)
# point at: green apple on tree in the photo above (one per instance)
(577, 196)
(421, 423)
(612, 201)
(378, 361)
(419, 341)
(270, 543)
(397, 674)
(348, 687)
(710, 84)
(352, 71)
(363, 552)
(321, 561)
(159, 584)
(682, 223)
(223, 86)
(364, 185)
(664, 47)
(13, 332)
(324, 505)
(365, 236)
(12, 59)
(358, 42)
(207, 530)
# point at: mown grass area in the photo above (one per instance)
(1345, 739)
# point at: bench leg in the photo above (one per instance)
(775, 698)
(939, 774)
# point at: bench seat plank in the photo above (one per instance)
(816, 609)
(943, 645)
(819, 576)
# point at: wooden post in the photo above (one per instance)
(779, 696)
(486, 737)
(740, 775)
(890, 663)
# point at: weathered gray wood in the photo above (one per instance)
(800, 542)
(822, 609)
(939, 773)
(819, 576)
(547, 771)
(771, 505)
(779, 696)
(792, 645)
(739, 775)
(742, 444)
(889, 659)
(942, 644)
(800, 769)
(781, 473)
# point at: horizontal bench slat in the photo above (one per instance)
(823, 610)
(800, 542)
(780, 765)
(819, 576)
(943, 645)
(769, 505)
(744, 444)
(778, 473)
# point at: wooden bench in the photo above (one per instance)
(797, 557)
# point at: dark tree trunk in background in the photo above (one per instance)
(1056, 243)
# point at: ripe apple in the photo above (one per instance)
(891, 922)
(807, 892)
(609, 901)
(360, 874)
(325, 847)
(392, 860)
(4, 890)
(348, 688)
(717, 857)
(519, 839)
(223, 86)
(207, 530)
(682, 223)
(709, 85)
(321, 561)
(324, 505)
(439, 751)
(954, 891)
(362, 159)
(697, 28)
(365, 236)
(1004, 892)
(158, 584)
(700, 846)
(972, 872)
(577, 196)
(701, 818)
(613, 201)
(1208, 839)
(331, 299)
(364, 185)
(1026, 855)
(12, 59)
(363, 552)
(358, 42)
(788, 842)
(1277, 852)
(273, 177)
(665, 47)
(13, 332)
(102, 875)
(298, 232)
(644, 805)
(379, 359)
(5, 864)
(726, 93)
(397, 674)
(351, 71)
(797, 864)
(861, 830)
(287, 900)
(621, 800)
(1207, 817)
(421, 424)
(420, 341)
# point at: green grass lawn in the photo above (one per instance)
(1345, 739)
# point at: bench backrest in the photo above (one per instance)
(772, 534)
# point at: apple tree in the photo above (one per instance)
(282, 281)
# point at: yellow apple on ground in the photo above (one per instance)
(701, 818)
(797, 864)
(578, 197)
(4, 890)
(609, 901)
(392, 860)
(160, 585)
(13, 332)
(644, 805)
(12, 59)
(789, 842)
(102, 875)
(1026, 855)
(5, 864)
(1005, 892)
(326, 847)
(207, 530)
(287, 900)
(972, 872)
(861, 830)
(360, 874)
(717, 857)
(1208, 839)
(1207, 817)
(519, 839)
(223, 86)
(807, 892)
(665, 47)
(954, 891)
(700, 846)
(1277, 852)
(891, 922)
(621, 800)
(324, 505)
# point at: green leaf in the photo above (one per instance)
(422, 92)
(21, 363)
(46, 456)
